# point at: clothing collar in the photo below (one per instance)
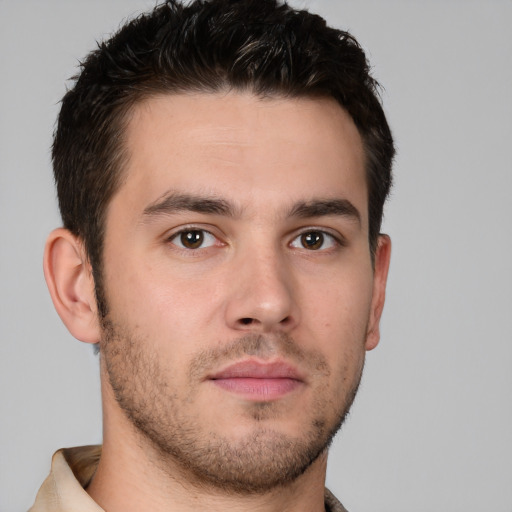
(63, 490)
(72, 471)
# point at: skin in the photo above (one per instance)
(253, 290)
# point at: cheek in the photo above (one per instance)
(335, 319)
(162, 303)
(341, 307)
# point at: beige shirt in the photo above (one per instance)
(72, 471)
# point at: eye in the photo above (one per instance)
(193, 239)
(314, 240)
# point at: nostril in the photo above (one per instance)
(246, 321)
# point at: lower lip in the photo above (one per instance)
(258, 389)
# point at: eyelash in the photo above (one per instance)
(337, 240)
(191, 229)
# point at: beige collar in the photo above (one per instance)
(63, 490)
(72, 471)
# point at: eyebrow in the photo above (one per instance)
(326, 207)
(175, 202)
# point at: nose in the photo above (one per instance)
(262, 295)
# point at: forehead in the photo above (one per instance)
(258, 152)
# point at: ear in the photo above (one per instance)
(380, 276)
(69, 278)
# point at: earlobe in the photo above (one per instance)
(380, 275)
(70, 282)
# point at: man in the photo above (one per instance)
(221, 170)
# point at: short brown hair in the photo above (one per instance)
(263, 46)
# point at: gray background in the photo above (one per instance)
(432, 426)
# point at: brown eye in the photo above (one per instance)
(193, 239)
(312, 240)
(315, 240)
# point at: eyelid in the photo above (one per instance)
(322, 229)
(208, 228)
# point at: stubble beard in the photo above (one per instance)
(261, 461)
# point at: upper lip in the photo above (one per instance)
(253, 369)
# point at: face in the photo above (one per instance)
(239, 282)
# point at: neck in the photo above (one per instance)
(128, 484)
(132, 475)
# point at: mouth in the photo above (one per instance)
(258, 381)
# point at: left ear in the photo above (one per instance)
(380, 276)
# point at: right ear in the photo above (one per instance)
(68, 275)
